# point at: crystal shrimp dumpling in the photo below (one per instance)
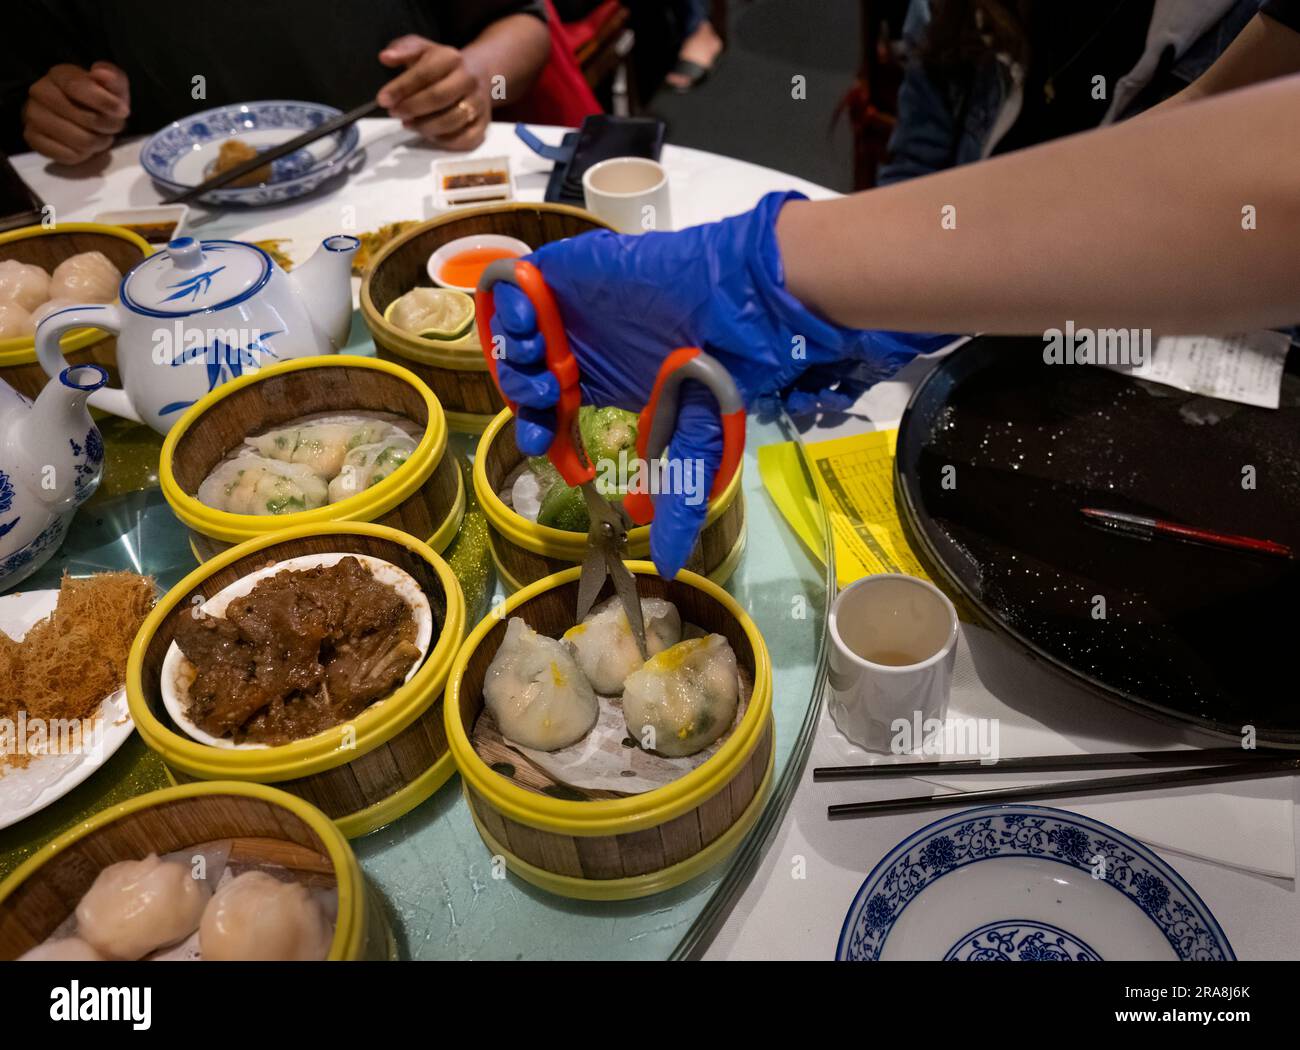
(255, 916)
(536, 692)
(137, 906)
(87, 277)
(605, 647)
(684, 698)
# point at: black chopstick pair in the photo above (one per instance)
(1217, 765)
(265, 157)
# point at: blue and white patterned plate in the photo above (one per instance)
(1003, 883)
(179, 155)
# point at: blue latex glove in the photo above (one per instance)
(629, 301)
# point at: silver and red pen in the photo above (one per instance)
(1147, 528)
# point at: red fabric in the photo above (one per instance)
(585, 29)
(560, 95)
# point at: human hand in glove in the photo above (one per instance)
(629, 301)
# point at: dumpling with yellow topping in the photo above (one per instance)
(536, 692)
(605, 648)
(684, 698)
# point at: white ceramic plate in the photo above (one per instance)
(461, 244)
(48, 778)
(174, 693)
(1027, 883)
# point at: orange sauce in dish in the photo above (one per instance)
(465, 268)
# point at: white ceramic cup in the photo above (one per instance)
(893, 645)
(629, 193)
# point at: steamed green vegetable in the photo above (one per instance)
(564, 508)
(606, 432)
(545, 473)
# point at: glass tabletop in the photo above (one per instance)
(430, 867)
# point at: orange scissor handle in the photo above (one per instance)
(659, 420)
(560, 362)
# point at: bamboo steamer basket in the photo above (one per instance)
(424, 497)
(525, 552)
(455, 369)
(363, 774)
(47, 248)
(612, 847)
(265, 826)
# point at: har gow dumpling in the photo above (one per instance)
(68, 949)
(250, 484)
(48, 307)
(137, 906)
(24, 284)
(684, 698)
(15, 321)
(536, 692)
(606, 649)
(321, 444)
(88, 277)
(256, 917)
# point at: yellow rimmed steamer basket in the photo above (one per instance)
(424, 497)
(616, 848)
(47, 247)
(265, 826)
(363, 774)
(525, 551)
(455, 368)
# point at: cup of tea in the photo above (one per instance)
(893, 645)
(629, 193)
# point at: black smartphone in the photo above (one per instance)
(603, 136)
(19, 205)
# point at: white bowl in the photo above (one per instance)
(478, 240)
(175, 694)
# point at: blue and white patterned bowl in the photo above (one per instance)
(178, 156)
(1012, 883)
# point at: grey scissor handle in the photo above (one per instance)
(700, 368)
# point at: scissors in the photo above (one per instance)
(607, 537)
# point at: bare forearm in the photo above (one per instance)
(516, 48)
(1139, 225)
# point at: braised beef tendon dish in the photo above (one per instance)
(302, 651)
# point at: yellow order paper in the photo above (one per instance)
(854, 477)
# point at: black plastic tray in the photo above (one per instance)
(1191, 634)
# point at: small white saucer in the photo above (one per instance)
(478, 240)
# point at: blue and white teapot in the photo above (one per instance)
(51, 460)
(200, 312)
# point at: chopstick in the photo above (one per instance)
(276, 152)
(1047, 763)
(1071, 788)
